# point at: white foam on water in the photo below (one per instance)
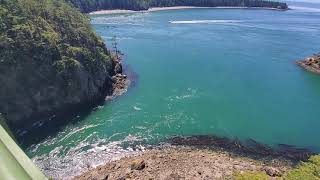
(206, 22)
(78, 160)
(305, 1)
(77, 130)
(305, 9)
(188, 94)
(137, 108)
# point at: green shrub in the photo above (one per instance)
(306, 170)
(66, 64)
(47, 31)
(251, 175)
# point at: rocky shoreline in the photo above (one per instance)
(311, 63)
(202, 157)
(185, 162)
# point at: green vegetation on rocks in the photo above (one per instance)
(309, 170)
(50, 60)
(93, 5)
(251, 176)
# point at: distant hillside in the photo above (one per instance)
(94, 5)
(51, 61)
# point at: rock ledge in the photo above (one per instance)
(311, 63)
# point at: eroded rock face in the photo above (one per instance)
(273, 172)
(31, 92)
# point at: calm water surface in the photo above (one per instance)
(227, 72)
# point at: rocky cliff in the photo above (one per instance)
(51, 62)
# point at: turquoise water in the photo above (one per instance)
(234, 77)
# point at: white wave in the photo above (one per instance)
(305, 9)
(184, 96)
(305, 1)
(85, 156)
(190, 93)
(75, 131)
(206, 22)
(137, 108)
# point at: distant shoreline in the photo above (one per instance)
(183, 162)
(155, 9)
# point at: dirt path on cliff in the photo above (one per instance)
(186, 163)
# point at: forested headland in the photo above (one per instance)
(51, 61)
(87, 6)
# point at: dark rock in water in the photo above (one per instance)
(120, 84)
(138, 165)
(249, 146)
(311, 63)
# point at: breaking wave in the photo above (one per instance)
(86, 156)
(189, 93)
(305, 9)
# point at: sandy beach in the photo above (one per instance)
(155, 9)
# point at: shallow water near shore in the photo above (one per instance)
(226, 72)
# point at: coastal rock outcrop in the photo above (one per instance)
(137, 165)
(51, 62)
(273, 172)
(311, 63)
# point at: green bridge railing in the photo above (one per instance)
(14, 163)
